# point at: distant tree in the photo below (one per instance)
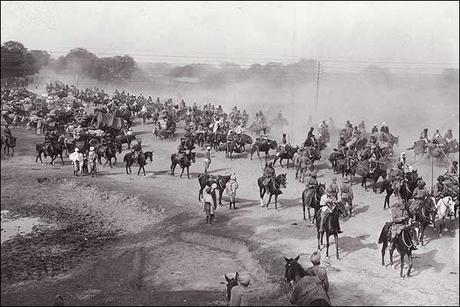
(17, 61)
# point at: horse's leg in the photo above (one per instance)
(139, 170)
(303, 204)
(336, 240)
(143, 169)
(269, 198)
(409, 256)
(276, 202)
(384, 247)
(402, 264)
(126, 168)
(182, 172)
(62, 159)
(220, 197)
(188, 174)
(327, 245)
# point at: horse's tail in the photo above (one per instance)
(384, 232)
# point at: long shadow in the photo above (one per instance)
(432, 234)
(421, 262)
(360, 210)
(349, 244)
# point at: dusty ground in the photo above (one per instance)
(128, 239)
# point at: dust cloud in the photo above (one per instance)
(407, 103)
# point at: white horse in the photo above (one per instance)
(444, 208)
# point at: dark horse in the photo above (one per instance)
(108, 152)
(331, 226)
(287, 154)
(273, 186)
(185, 161)
(406, 242)
(310, 199)
(231, 282)
(207, 180)
(424, 215)
(403, 188)
(8, 142)
(264, 146)
(378, 172)
(141, 160)
(52, 150)
(316, 295)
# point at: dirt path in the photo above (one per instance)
(175, 258)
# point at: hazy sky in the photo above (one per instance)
(241, 32)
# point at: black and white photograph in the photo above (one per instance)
(229, 153)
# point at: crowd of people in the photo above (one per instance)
(72, 126)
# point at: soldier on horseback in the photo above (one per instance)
(326, 206)
(399, 218)
(136, 149)
(420, 195)
(439, 189)
(269, 173)
(424, 135)
(375, 129)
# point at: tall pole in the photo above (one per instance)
(317, 76)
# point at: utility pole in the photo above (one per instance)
(317, 77)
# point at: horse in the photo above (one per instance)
(185, 161)
(406, 242)
(331, 226)
(8, 142)
(315, 296)
(52, 150)
(419, 147)
(126, 139)
(287, 154)
(231, 282)
(273, 186)
(402, 188)
(444, 208)
(378, 172)
(424, 215)
(230, 148)
(141, 159)
(349, 167)
(109, 153)
(207, 180)
(242, 140)
(310, 199)
(333, 158)
(261, 145)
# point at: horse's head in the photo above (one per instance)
(231, 282)
(413, 230)
(321, 187)
(292, 269)
(339, 208)
(272, 144)
(281, 179)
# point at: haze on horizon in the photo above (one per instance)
(423, 33)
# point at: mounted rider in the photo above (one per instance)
(439, 189)
(304, 161)
(269, 173)
(449, 137)
(283, 144)
(326, 207)
(375, 129)
(373, 161)
(420, 195)
(399, 218)
(424, 135)
(385, 129)
(296, 161)
(311, 185)
(437, 138)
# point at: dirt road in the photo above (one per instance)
(158, 249)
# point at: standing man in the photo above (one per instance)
(231, 188)
(346, 193)
(296, 160)
(207, 159)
